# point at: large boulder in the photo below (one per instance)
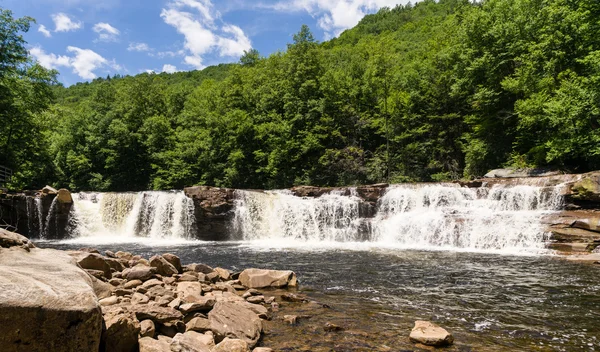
(92, 261)
(12, 239)
(64, 196)
(122, 330)
(46, 303)
(430, 334)
(259, 278)
(233, 320)
(173, 260)
(163, 267)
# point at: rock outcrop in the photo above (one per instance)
(47, 303)
(213, 209)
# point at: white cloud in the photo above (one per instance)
(106, 32)
(169, 68)
(63, 23)
(138, 47)
(202, 36)
(163, 54)
(42, 29)
(83, 61)
(335, 16)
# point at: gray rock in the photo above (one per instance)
(514, 173)
(259, 278)
(47, 303)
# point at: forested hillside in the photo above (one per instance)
(436, 91)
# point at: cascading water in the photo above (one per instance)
(444, 216)
(119, 216)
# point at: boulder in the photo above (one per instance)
(190, 341)
(109, 301)
(163, 267)
(122, 330)
(233, 320)
(173, 260)
(148, 344)
(140, 272)
(223, 273)
(201, 304)
(49, 190)
(156, 314)
(231, 345)
(12, 239)
(189, 291)
(200, 268)
(64, 196)
(260, 278)
(430, 334)
(516, 173)
(198, 324)
(262, 349)
(92, 261)
(47, 303)
(133, 284)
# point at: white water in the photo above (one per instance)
(502, 219)
(127, 217)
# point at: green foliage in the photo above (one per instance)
(429, 92)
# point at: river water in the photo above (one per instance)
(490, 302)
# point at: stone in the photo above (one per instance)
(516, 173)
(212, 276)
(330, 327)
(229, 319)
(109, 301)
(290, 319)
(430, 334)
(200, 268)
(114, 264)
(165, 338)
(147, 328)
(231, 345)
(49, 190)
(123, 292)
(262, 349)
(163, 267)
(256, 299)
(110, 254)
(132, 284)
(140, 272)
(148, 344)
(92, 261)
(64, 196)
(122, 330)
(223, 273)
(260, 278)
(202, 304)
(188, 276)
(98, 274)
(12, 239)
(198, 325)
(189, 291)
(251, 292)
(292, 297)
(47, 303)
(101, 289)
(138, 298)
(116, 282)
(190, 341)
(156, 313)
(152, 283)
(124, 255)
(173, 260)
(175, 303)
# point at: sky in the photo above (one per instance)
(85, 39)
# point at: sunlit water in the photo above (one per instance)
(490, 302)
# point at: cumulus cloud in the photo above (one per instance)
(202, 36)
(138, 47)
(169, 68)
(63, 23)
(335, 16)
(106, 32)
(42, 29)
(83, 62)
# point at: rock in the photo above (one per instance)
(147, 328)
(92, 261)
(202, 304)
(132, 284)
(122, 330)
(163, 267)
(292, 297)
(12, 239)
(124, 255)
(110, 254)
(156, 314)
(152, 283)
(116, 282)
(430, 334)
(64, 196)
(251, 292)
(198, 325)
(148, 344)
(109, 301)
(190, 341)
(515, 173)
(592, 224)
(98, 274)
(228, 319)
(200, 268)
(262, 349)
(291, 319)
(47, 303)
(138, 298)
(114, 264)
(175, 303)
(259, 278)
(223, 273)
(189, 291)
(173, 260)
(213, 276)
(256, 299)
(330, 327)
(188, 276)
(123, 292)
(49, 190)
(231, 345)
(101, 289)
(140, 272)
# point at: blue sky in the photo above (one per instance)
(84, 39)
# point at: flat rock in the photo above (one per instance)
(260, 278)
(198, 325)
(430, 334)
(201, 304)
(156, 313)
(140, 272)
(189, 342)
(233, 320)
(189, 291)
(47, 303)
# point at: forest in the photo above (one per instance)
(435, 91)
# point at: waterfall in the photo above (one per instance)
(156, 215)
(445, 216)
